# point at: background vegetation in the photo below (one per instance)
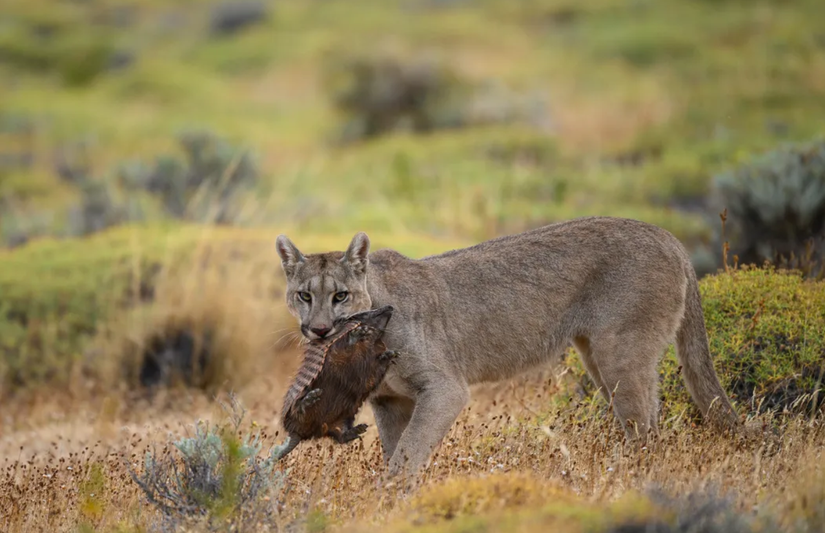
(151, 151)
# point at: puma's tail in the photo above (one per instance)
(693, 352)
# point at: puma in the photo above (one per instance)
(619, 290)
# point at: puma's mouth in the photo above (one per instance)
(311, 335)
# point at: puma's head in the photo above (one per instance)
(323, 288)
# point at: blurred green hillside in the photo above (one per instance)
(441, 121)
(596, 107)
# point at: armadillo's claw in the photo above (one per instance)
(357, 334)
(308, 400)
(389, 354)
(353, 433)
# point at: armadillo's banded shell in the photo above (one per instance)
(315, 355)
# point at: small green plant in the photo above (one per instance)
(217, 477)
(765, 332)
(203, 186)
(228, 18)
(696, 512)
(382, 94)
(91, 495)
(776, 207)
(97, 210)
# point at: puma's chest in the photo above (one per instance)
(394, 384)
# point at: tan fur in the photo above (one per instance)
(619, 290)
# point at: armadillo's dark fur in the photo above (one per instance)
(328, 390)
(315, 355)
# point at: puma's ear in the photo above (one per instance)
(356, 254)
(290, 254)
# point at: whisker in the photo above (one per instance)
(276, 331)
(286, 335)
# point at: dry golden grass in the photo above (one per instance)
(527, 455)
(566, 466)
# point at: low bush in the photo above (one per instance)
(231, 17)
(695, 512)
(458, 497)
(203, 186)
(96, 312)
(766, 335)
(205, 183)
(765, 328)
(55, 294)
(776, 207)
(96, 210)
(209, 324)
(19, 227)
(383, 93)
(520, 500)
(216, 480)
(77, 58)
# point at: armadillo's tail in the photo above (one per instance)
(289, 444)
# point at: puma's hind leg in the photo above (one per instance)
(627, 365)
(585, 351)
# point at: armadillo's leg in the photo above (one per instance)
(352, 433)
(384, 359)
(388, 355)
(308, 400)
(335, 432)
(289, 444)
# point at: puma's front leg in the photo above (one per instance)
(437, 407)
(392, 414)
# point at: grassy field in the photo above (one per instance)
(150, 153)
(534, 452)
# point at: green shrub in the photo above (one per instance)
(227, 18)
(204, 185)
(381, 94)
(55, 294)
(77, 58)
(776, 207)
(767, 336)
(17, 228)
(695, 512)
(766, 329)
(80, 312)
(217, 477)
(97, 210)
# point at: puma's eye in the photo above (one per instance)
(305, 296)
(340, 297)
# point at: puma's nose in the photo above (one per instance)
(320, 331)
